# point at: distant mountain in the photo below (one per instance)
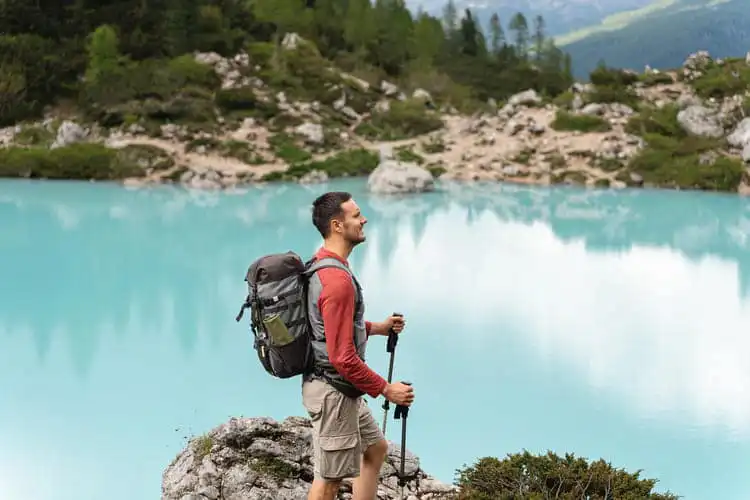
(561, 16)
(662, 35)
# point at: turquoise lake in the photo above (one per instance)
(609, 324)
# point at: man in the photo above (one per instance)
(347, 441)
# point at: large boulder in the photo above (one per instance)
(700, 121)
(259, 459)
(397, 177)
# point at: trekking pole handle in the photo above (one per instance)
(402, 410)
(392, 336)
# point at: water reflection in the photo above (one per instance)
(640, 295)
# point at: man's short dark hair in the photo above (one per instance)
(326, 208)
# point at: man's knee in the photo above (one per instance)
(376, 452)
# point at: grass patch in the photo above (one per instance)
(406, 154)
(653, 79)
(286, 148)
(202, 446)
(729, 79)
(354, 162)
(273, 467)
(83, 161)
(35, 135)
(403, 120)
(565, 121)
(673, 159)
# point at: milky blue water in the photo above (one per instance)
(608, 324)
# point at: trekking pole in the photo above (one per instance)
(402, 412)
(391, 348)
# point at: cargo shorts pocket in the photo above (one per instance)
(340, 456)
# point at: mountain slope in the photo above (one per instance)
(662, 38)
(561, 16)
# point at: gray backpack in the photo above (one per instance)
(277, 298)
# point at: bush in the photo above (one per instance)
(582, 123)
(354, 162)
(244, 101)
(523, 475)
(612, 77)
(652, 120)
(704, 171)
(78, 161)
(674, 159)
(403, 120)
(723, 81)
(651, 79)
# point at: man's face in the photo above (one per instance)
(352, 223)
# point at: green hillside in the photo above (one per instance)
(664, 37)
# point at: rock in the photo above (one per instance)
(259, 458)
(593, 109)
(388, 88)
(424, 96)
(394, 177)
(577, 102)
(700, 121)
(740, 137)
(527, 97)
(747, 58)
(291, 41)
(687, 100)
(69, 133)
(312, 132)
(314, 177)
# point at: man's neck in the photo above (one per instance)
(340, 248)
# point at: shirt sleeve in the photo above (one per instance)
(336, 304)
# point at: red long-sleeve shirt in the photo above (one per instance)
(336, 303)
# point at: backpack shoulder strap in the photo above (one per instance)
(324, 263)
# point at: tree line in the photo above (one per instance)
(44, 44)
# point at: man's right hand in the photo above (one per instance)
(399, 393)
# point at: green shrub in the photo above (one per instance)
(613, 93)
(582, 123)
(78, 161)
(245, 102)
(674, 159)
(666, 168)
(651, 79)
(286, 148)
(652, 120)
(552, 476)
(403, 120)
(723, 81)
(612, 77)
(354, 162)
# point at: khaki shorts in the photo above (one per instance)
(343, 428)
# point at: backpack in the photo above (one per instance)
(277, 298)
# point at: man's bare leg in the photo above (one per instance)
(323, 490)
(365, 486)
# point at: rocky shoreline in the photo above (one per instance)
(573, 139)
(259, 458)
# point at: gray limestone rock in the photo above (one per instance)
(261, 459)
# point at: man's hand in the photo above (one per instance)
(383, 328)
(399, 393)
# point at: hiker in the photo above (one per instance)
(347, 441)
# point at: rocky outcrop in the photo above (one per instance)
(398, 177)
(740, 139)
(261, 459)
(700, 121)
